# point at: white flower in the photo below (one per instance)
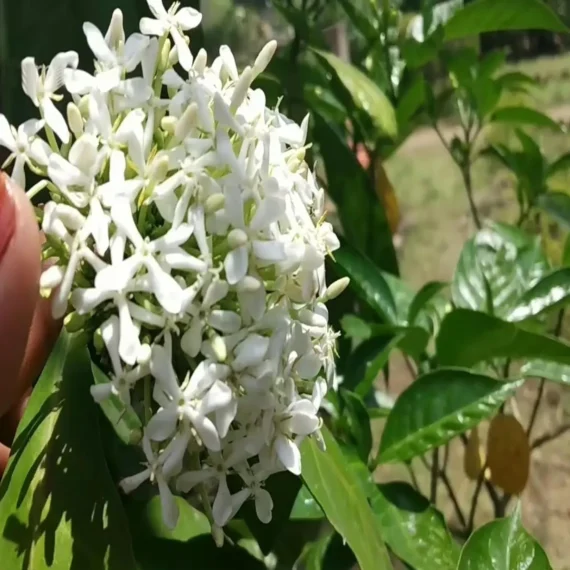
(172, 22)
(156, 473)
(201, 394)
(24, 145)
(41, 89)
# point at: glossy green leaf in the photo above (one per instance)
(524, 116)
(124, 419)
(306, 507)
(468, 337)
(557, 206)
(559, 373)
(367, 281)
(145, 517)
(327, 477)
(413, 529)
(437, 407)
(356, 418)
(503, 545)
(495, 268)
(376, 366)
(402, 294)
(59, 508)
(362, 21)
(561, 164)
(497, 15)
(423, 298)
(551, 292)
(314, 554)
(370, 234)
(366, 95)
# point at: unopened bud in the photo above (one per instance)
(168, 124)
(200, 61)
(84, 106)
(335, 289)
(214, 203)
(144, 354)
(309, 318)
(187, 122)
(219, 348)
(159, 168)
(51, 277)
(75, 119)
(237, 238)
(98, 341)
(115, 34)
(264, 57)
(74, 322)
(241, 88)
(164, 57)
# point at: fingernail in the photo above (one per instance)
(7, 214)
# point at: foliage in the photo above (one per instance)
(471, 344)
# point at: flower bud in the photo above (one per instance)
(237, 238)
(187, 122)
(74, 322)
(75, 119)
(200, 61)
(164, 56)
(159, 168)
(214, 203)
(335, 289)
(115, 34)
(144, 354)
(309, 318)
(264, 57)
(84, 106)
(51, 277)
(168, 124)
(218, 535)
(219, 348)
(241, 89)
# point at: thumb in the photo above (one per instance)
(20, 263)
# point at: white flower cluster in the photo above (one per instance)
(187, 230)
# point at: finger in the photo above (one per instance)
(20, 262)
(4, 455)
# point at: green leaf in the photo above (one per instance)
(557, 206)
(59, 508)
(375, 366)
(370, 233)
(423, 298)
(561, 164)
(524, 116)
(551, 292)
(327, 477)
(548, 370)
(124, 419)
(468, 337)
(367, 281)
(497, 15)
(306, 507)
(361, 21)
(495, 268)
(413, 529)
(366, 95)
(357, 419)
(145, 518)
(403, 296)
(503, 545)
(437, 407)
(411, 100)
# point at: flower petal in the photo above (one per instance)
(54, 119)
(30, 79)
(224, 321)
(222, 507)
(236, 264)
(289, 454)
(188, 18)
(97, 43)
(162, 425)
(168, 503)
(7, 139)
(188, 480)
(206, 430)
(263, 505)
(131, 483)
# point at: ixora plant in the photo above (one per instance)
(186, 234)
(185, 418)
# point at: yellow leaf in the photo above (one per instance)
(386, 195)
(508, 454)
(474, 457)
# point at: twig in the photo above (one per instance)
(434, 476)
(410, 367)
(540, 441)
(535, 407)
(475, 500)
(413, 476)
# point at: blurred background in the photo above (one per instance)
(388, 147)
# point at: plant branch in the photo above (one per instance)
(475, 500)
(435, 471)
(468, 183)
(547, 437)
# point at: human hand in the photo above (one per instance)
(27, 331)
